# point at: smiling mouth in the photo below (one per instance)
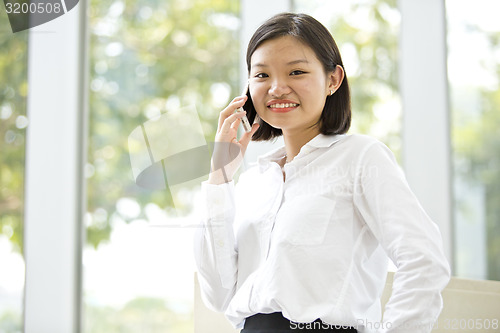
(283, 105)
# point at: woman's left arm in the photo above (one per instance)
(410, 238)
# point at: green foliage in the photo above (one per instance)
(146, 55)
(477, 158)
(13, 91)
(377, 53)
(476, 148)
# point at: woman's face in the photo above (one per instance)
(288, 84)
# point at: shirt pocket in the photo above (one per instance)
(305, 220)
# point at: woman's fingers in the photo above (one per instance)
(235, 124)
(228, 151)
(229, 110)
(230, 125)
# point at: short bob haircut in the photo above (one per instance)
(336, 115)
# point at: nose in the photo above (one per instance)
(279, 87)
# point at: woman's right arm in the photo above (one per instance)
(214, 242)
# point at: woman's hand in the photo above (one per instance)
(228, 150)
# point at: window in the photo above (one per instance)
(13, 123)
(473, 67)
(148, 59)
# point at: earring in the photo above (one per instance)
(331, 92)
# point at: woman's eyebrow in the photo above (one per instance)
(298, 61)
(293, 62)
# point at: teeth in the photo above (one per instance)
(283, 105)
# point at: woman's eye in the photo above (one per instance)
(261, 75)
(297, 72)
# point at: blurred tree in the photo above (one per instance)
(13, 122)
(148, 57)
(477, 156)
(372, 29)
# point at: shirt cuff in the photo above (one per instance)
(218, 200)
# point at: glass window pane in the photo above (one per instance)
(149, 60)
(13, 123)
(474, 67)
(367, 35)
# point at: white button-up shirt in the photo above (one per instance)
(315, 245)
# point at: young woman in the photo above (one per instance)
(301, 242)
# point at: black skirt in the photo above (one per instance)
(276, 323)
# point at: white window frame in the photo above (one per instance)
(54, 179)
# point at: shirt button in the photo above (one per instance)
(220, 243)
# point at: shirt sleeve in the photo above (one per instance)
(409, 237)
(214, 246)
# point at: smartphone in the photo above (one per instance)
(244, 120)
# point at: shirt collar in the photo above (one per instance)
(319, 141)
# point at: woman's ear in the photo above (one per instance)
(335, 79)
